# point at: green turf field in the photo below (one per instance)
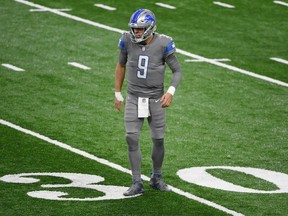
(57, 121)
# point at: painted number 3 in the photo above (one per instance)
(142, 67)
(78, 180)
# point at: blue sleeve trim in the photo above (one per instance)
(121, 44)
(170, 48)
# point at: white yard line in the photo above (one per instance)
(65, 146)
(281, 3)
(78, 65)
(165, 5)
(42, 10)
(114, 166)
(224, 4)
(279, 60)
(12, 67)
(106, 7)
(75, 18)
(199, 60)
(233, 68)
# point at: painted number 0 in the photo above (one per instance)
(142, 67)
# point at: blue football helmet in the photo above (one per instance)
(142, 18)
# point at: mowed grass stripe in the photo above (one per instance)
(180, 51)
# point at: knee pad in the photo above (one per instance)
(132, 140)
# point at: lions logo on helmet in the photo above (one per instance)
(142, 18)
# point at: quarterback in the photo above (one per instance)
(143, 56)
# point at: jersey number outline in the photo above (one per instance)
(142, 70)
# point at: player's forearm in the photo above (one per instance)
(174, 65)
(176, 78)
(119, 77)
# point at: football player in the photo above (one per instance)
(144, 55)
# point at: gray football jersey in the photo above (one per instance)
(145, 64)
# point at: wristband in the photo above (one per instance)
(171, 90)
(119, 96)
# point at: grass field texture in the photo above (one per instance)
(219, 116)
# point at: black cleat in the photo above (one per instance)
(157, 183)
(136, 188)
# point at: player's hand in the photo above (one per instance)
(118, 100)
(166, 100)
(117, 104)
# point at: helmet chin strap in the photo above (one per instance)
(142, 42)
(139, 40)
